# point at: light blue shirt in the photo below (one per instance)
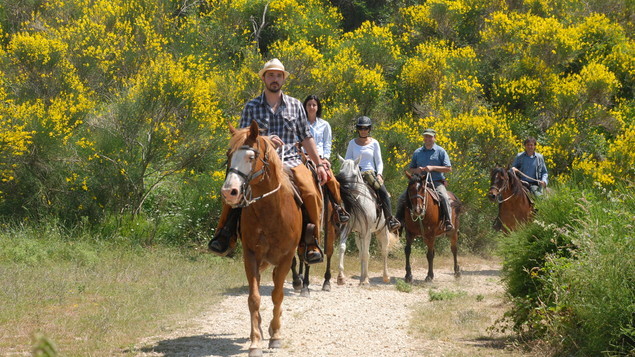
(321, 131)
(435, 157)
(370, 155)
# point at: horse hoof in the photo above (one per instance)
(428, 279)
(305, 293)
(326, 286)
(275, 344)
(457, 274)
(340, 281)
(386, 279)
(255, 352)
(408, 279)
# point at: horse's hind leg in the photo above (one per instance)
(384, 238)
(305, 282)
(340, 276)
(329, 237)
(454, 248)
(430, 256)
(297, 277)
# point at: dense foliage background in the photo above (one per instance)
(113, 113)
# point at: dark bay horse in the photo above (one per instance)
(270, 223)
(301, 274)
(423, 218)
(514, 204)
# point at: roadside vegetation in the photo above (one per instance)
(113, 133)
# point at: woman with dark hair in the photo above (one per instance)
(323, 137)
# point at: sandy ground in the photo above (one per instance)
(350, 320)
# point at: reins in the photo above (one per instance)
(419, 218)
(501, 189)
(246, 198)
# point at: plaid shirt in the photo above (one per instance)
(289, 123)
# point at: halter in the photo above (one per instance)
(245, 187)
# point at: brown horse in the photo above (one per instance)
(514, 204)
(270, 223)
(423, 218)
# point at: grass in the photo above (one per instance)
(96, 297)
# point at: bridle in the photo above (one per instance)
(499, 190)
(245, 187)
(421, 183)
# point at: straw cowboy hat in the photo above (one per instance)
(273, 65)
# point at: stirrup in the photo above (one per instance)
(448, 226)
(312, 253)
(221, 243)
(393, 224)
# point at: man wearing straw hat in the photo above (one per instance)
(284, 120)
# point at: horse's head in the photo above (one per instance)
(499, 182)
(247, 159)
(349, 169)
(416, 192)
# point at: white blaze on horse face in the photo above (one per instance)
(232, 187)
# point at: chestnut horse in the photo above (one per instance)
(270, 223)
(514, 204)
(423, 218)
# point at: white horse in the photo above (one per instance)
(366, 218)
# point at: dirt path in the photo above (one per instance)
(375, 320)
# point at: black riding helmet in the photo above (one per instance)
(364, 122)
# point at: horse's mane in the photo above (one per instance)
(348, 192)
(241, 137)
(514, 181)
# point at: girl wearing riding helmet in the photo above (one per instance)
(367, 149)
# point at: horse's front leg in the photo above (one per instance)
(277, 295)
(407, 250)
(363, 242)
(340, 276)
(430, 256)
(253, 278)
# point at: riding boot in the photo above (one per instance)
(312, 254)
(392, 222)
(222, 241)
(447, 221)
(342, 216)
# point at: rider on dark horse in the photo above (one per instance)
(284, 120)
(433, 159)
(530, 167)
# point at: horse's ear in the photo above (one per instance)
(254, 131)
(358, 160)
(408, 174)
(232, 130)
(340, 158)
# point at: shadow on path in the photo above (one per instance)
(198, 346)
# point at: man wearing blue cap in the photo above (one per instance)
(434, 159)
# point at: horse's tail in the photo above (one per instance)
(393, 240)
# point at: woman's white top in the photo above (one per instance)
(370, 155)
